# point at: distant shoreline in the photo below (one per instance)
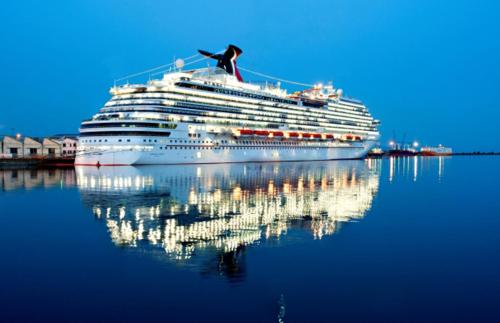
(476, 153)
(410, 154)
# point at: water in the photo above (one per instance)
(401, 240)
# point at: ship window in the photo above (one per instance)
(119, 140)
(128, 140)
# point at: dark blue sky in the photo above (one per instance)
(427, 68)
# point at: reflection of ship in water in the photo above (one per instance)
(189, 213)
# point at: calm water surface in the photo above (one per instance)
(400, 240)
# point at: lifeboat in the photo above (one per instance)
(262, 133)
(357, 138)
(329, 136)
(293, 135)
(317, 136)
(306, 135)
(349, 137)
(277, 133)
(246, 132)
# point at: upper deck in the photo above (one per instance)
(218, 80)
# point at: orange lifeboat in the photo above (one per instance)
(293, 135)
(277, 133)
(317, 136)
(306, 135)
(329, 136)
(349, 137)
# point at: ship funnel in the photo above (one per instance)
(227, 61)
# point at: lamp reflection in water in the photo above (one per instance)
(205, 216)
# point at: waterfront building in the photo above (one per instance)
(11, 147)
(31, 147)
(51, 148)
(68, 145)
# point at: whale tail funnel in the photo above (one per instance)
(227, 61)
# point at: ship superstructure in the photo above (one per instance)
(210, 115)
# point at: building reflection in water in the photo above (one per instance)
(205, 215)
(15, 179)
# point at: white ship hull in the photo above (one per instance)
(235, 154)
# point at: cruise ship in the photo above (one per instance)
(210, 115)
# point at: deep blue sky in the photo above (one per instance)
(427, 68)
